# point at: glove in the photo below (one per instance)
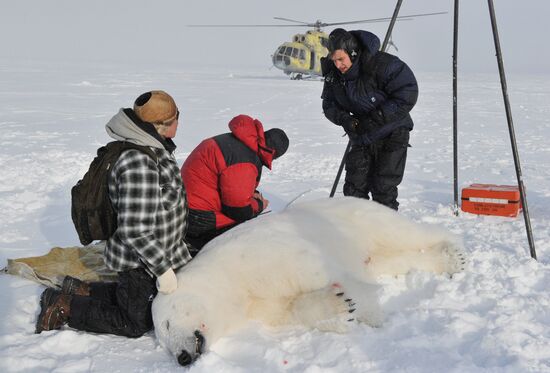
(350, 126)
(377, 116)
(371, 123)
(167, 282)
(261, 200)
(363, 126)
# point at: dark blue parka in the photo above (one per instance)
(379, 90)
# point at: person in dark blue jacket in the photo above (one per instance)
(370, 94)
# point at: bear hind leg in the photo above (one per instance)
(441, 257)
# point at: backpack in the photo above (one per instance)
(91, 210)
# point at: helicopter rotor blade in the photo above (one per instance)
(307, 25)
(297, 25)
(292, 20)
(384, 19)
(364, 21)
(320, 24)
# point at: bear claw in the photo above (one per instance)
(348, 306)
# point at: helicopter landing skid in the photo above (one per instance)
(299, 76)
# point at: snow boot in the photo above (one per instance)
(55, 310)
(73, 286)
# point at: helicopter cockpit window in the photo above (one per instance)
(302, 54)
(324, 42)
(281, 50)
(295, 52)
(288, 51)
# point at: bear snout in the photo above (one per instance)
(184, 358)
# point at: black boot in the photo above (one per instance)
(73, 286)
(55, 310)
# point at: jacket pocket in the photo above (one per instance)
(398, 139)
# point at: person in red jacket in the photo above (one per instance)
(221, 176)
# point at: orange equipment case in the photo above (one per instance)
(490, 199)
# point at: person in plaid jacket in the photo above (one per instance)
(148, 244)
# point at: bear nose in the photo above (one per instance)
(184, 358)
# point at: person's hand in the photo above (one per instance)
(362, 127)
(167, 282)
(257, 195)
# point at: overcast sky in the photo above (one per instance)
(149, 31)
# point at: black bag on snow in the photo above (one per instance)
(93, 215)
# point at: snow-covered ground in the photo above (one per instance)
(494, 317)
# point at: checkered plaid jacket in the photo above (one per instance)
(151, 207)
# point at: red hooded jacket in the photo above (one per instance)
(222, 173)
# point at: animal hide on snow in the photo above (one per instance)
(83, 262)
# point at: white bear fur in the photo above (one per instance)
(314, 264)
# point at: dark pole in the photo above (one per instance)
(455, 108)
(383, 49)
(390, 27)
(511, 130)
(340, 169)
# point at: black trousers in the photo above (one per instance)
(377, 169)
(121, 308)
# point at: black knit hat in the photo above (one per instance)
(341, 39)
(277, 140)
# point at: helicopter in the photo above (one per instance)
(301, 57)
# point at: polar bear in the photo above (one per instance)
(314, 264)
